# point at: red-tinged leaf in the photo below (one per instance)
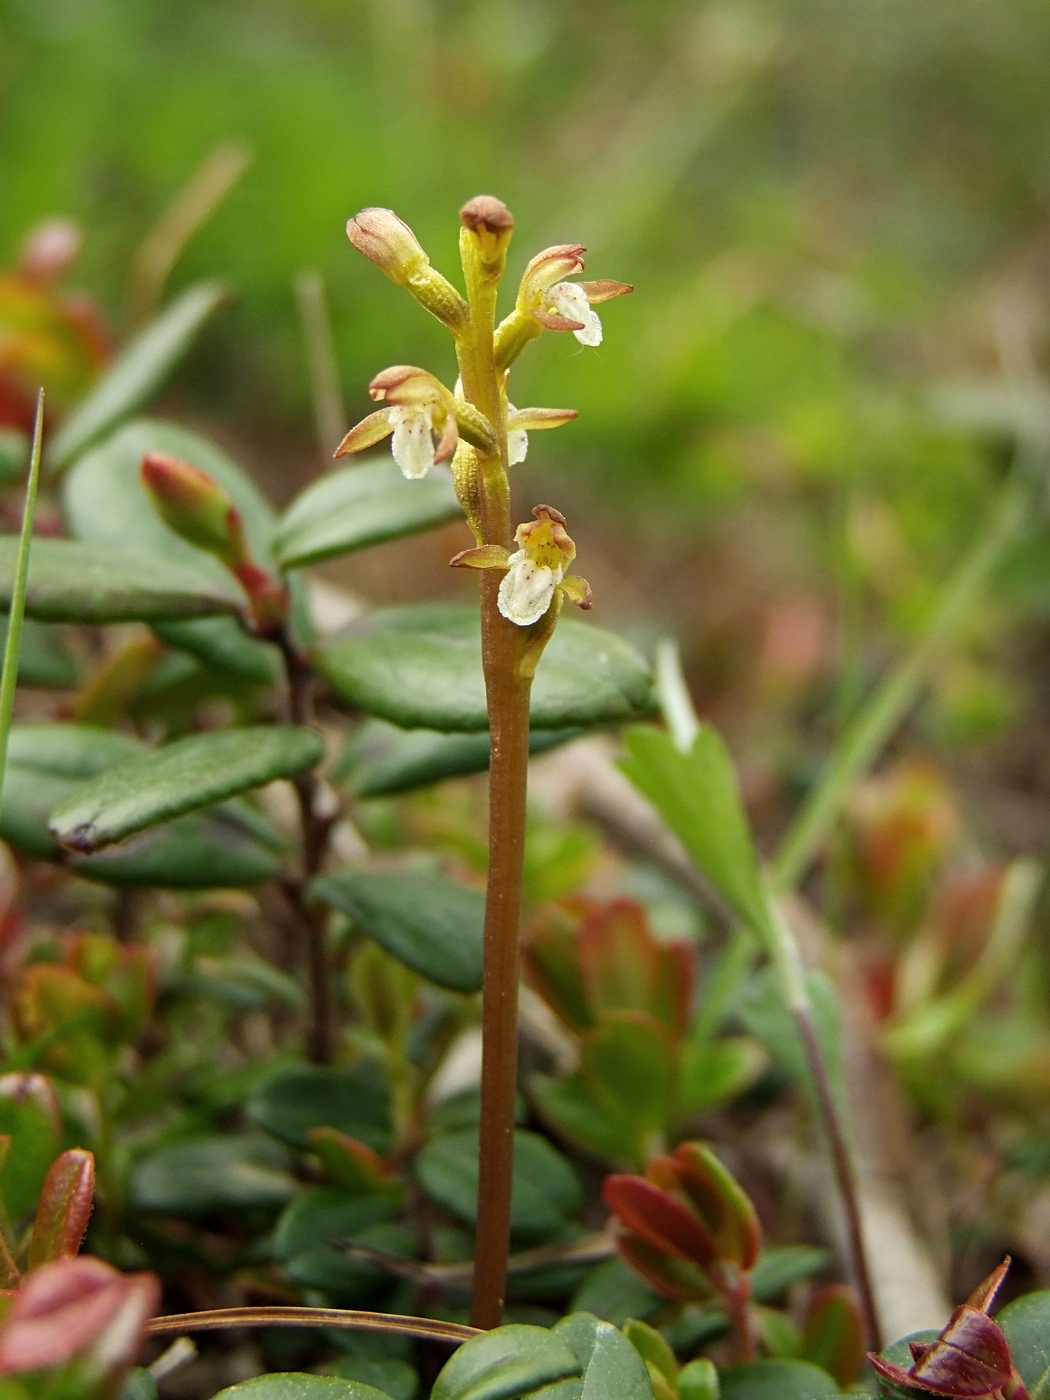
(970, 1358)
(674, 1278)
(349, 1163)
(659, 1219)
(551, 967)
(619, 958)
(983, 1296)
(9, 1271)
(833, 1336)
(77, 1307)
(721, 1202)
(675, 983)
(65, 1205)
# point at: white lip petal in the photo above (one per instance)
(526, 591)
(570, 301)
(517, 445)
(413, 441)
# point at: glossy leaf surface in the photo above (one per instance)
(420, 667)
(546, 1189)
(190, 773)
(509, 1362)
(201, 1175)
(298, 1385)
(291, 1101)
(359, 506)
(612, 1368)
(70, 581)
(138, 372)
(1026, 1322)
(777, 1380)
(431, 924)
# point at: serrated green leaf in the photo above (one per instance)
(380, 759)
(431, 924)
(546, 1189)
(296, 1098)
(138, 372)
(202, 1175)
(70, 581)
(505, 1364)
(420, 667)
(190, 773)
(299, 1385)
(360, 506)
(612, 1368)
(697, 795)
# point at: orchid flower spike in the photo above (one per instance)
(535, 572)
(418, 409)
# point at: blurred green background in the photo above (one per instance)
(834, 213)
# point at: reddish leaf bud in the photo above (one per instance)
(194, 505)
(65, 1205)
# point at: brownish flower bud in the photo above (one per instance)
(387, 241)
(491, 224)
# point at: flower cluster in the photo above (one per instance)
(429, 423)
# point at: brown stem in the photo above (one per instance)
(737, 1302)
(845, 1178)
(508, 701)
(315, 825)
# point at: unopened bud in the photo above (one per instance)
(491, 223)
(387, 241)
(194, 505)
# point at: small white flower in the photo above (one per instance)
(517, 442)
(527, 589)
(568, 299)
(413, 441)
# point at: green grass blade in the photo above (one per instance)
(12, 647)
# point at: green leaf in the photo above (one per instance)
(360, 506)
(43, 660)
(138, 372)
(697, 795)
(1026, 1322)
(35, 1142)
(221, 847)
(431, 924)
(394, 1378)
(190, 773)
(781, 1265)
(298, 1385)
(612, 1368)
(777, 1380)
(203, 1175)
(506, 1363)
(715, 1071)
(303, 1241)
(74, 582)
(615, 1292)
(546, 1189)
(297, 1098)
(761, 1008)
(139, 1385)
(381, 759)
(420, 667)
(221, 642)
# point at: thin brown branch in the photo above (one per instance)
(215, 1319)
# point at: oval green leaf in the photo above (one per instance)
(70, 581)
(190, 773)
(298, 1385)
(297, 1098)
(138, 372)
(420, 667)
(202, 1175)
(506, 1363)
(546, 1189)
(380, 759)
(777, 1380)
(431, 924)
(1026, 1322)
(360, 506)
(612, 1368)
